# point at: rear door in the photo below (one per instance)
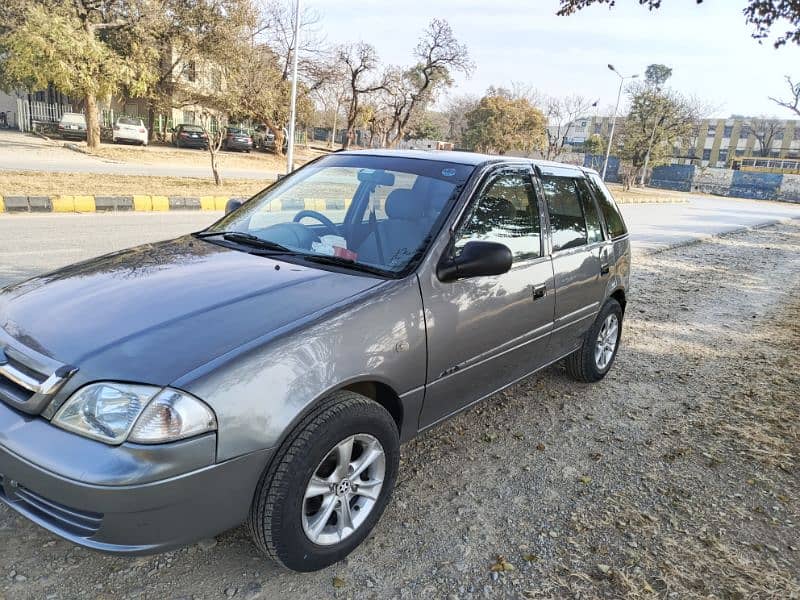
(579, 253)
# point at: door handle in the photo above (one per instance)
(539, 291)
(604, 269)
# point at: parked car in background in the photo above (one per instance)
(264, 139)
(72, 126)
(267, 368)
(237, 138)
(129, 129)
(190, 136)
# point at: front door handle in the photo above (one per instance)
(539, 291)
(604, 269)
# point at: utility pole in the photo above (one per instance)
(293, 103)
(614, 118)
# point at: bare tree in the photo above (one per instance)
(214, 129)
(793, 103)
(561, 114)
(456, 113)
(358, 62)
(438, 55)
(766, 131)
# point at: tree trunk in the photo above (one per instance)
(151, 121)
(92, 122)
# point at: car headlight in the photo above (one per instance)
(116, 412)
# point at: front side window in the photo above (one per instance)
(357, 210)
(567, 223)
(506, 212)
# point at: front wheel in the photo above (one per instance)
(328, 484)
(594, 358)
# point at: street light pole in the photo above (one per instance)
(293, 101)
(614, 118)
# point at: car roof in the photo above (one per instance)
(470, 158)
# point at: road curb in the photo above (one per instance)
(147, 203)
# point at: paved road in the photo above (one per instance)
(19, 152)
(31, 244)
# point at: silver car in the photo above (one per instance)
(267, 369)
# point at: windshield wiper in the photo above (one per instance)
(246, 239)
(324, 259)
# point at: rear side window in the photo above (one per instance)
(614, 223)
(567, 224)
(594, 229)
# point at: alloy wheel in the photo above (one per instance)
(344, 489)
(606, 342)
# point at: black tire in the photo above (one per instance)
(275, 520)
(581, 364)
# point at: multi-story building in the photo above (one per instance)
(714, 142)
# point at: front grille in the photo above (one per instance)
(59, 517)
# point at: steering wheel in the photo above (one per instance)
(329, 225)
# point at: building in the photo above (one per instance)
(714, 142)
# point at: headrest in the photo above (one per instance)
(402, 204)
(497, 210)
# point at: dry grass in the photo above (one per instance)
(34, 183)
(647, 195)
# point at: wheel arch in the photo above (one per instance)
(619, 296)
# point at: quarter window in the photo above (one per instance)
(594, 229)
(506, 212)
(567, 224)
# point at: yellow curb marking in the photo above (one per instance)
(142, 203)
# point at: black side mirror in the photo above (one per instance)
(231, 205)
(477, 259)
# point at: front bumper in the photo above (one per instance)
(126, 499)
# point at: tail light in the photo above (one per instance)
(142, 130)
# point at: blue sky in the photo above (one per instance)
(708, 46)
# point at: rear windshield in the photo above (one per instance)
(237, 131)
(73, 118)
(192, 128)
(130, 121)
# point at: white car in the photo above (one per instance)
(129, 129)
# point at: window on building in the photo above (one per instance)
(723, 156)
(190, 71)
(796, 132)
(598, 127)
(707, 154)
(744, 132)
(778, 135)
(506, 212)
(711, 131)
(728, 131)
(740, 152)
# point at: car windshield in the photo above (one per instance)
(379, 212)
(130, 121)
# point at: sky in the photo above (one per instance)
(708, 46)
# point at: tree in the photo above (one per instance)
(191, 39)
(595, 145)
(763, 15)
(561, 114)
(658, 119)
(793, 103)
(357, 61)
(70, 45)
(766, 131)
(456, 113)
(657, 75)
(438, 55)
(501, 124)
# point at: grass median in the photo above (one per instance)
(34, 183)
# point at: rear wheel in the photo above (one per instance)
(328, 484)
(594, 358)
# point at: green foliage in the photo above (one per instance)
(657, 75)
(595, 144)
(501, 124)
(52, 46)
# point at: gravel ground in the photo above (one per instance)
(675, 477)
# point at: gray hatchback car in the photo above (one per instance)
(266, 369)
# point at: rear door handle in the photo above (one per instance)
(604, 269)
(539, 291)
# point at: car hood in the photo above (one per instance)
(155, 312)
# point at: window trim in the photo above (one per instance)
(526, 170)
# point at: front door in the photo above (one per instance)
(580, 258)
(486, 332)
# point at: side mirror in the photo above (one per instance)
(231, 205)
(477, 259)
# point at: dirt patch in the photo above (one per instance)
(675, 477)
